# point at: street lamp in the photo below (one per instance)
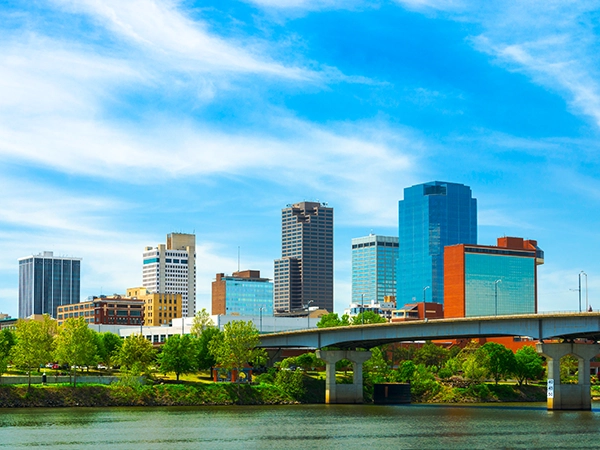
(424, 289)
(496, 295)
(260, 315)
(586, 297)
(307, 306)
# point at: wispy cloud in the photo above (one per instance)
(167, 33)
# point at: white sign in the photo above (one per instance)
(550, 388)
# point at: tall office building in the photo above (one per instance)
(46, 282)
(243, 293)
(374, 263)
(481, 280)
(431, 216)
(171, 269)
(304, 273)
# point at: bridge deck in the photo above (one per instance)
(537, 326)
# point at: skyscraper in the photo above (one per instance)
(431, 216)
(304, 273)
(171, 269)
(374, 265)
(46, 282)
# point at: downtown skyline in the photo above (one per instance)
(122, 122)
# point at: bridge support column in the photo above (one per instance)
(343, 393)
(569, 396)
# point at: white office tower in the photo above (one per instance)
(171, 269)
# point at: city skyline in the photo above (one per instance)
(124, 121)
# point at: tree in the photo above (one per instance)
(528, 364)
(109, 345)
(178, 355)
(136, 354)
(34, 343)
(204, 358)
(367, 317)
(431, 355)
(333, 320)
(500, 361)
(75, 345)
(377, 367)
(7, 341)
(201, 322)
(236, 346)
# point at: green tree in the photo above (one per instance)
(205, 359)
(333, 320)
(7, 342)
(109, 345)
(308, 361)
(474, 366)
(136, 354)
(377, 367)
(236, 346)
(500, 361)
(367, 317)
(75, 345)
(178, 355)
(431, 355)
(528, 364)
(34, 343)
(201, 322)
(405, 371)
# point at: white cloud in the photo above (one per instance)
(164, 30)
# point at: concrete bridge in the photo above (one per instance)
(569, 327)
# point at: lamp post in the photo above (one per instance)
(307, 306)
(496, 295)
(260, 315)
(424, 289)
(586, 299)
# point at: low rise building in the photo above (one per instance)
(384, 309)
(418, 311)
(159, 308)
(109, 310)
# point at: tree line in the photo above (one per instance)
(35, 343)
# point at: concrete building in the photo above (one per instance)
(159, 309)
(171, 269)
(431, 216)
(384, 308)
(108, 310)
(374, 265)
(243, 293)
(304, 273)
(47, 282)
(484, 280)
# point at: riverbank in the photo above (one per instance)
(94, 395)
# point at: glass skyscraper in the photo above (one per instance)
(304, 273)
(374, 260)
(46, 282)
(243, 293)
(431, 216)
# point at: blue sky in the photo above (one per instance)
(123, 121)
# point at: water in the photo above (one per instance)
(301, 427)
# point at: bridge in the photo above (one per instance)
(571, 328)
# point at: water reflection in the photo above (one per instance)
(302, 427)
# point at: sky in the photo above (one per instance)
(121, 122)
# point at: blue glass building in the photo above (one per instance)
(46, 282)
(243, 293)
(431, 216)
(374, 260)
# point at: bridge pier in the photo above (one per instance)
(569, 396)
(343, 393)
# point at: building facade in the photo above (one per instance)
(304, 273)
(243, 293)
(492, 280)
(431, 216)
(104, 310)
(47, 282)
(171, 269)
(159, 309)
(374, 265)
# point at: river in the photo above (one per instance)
(523, 426)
